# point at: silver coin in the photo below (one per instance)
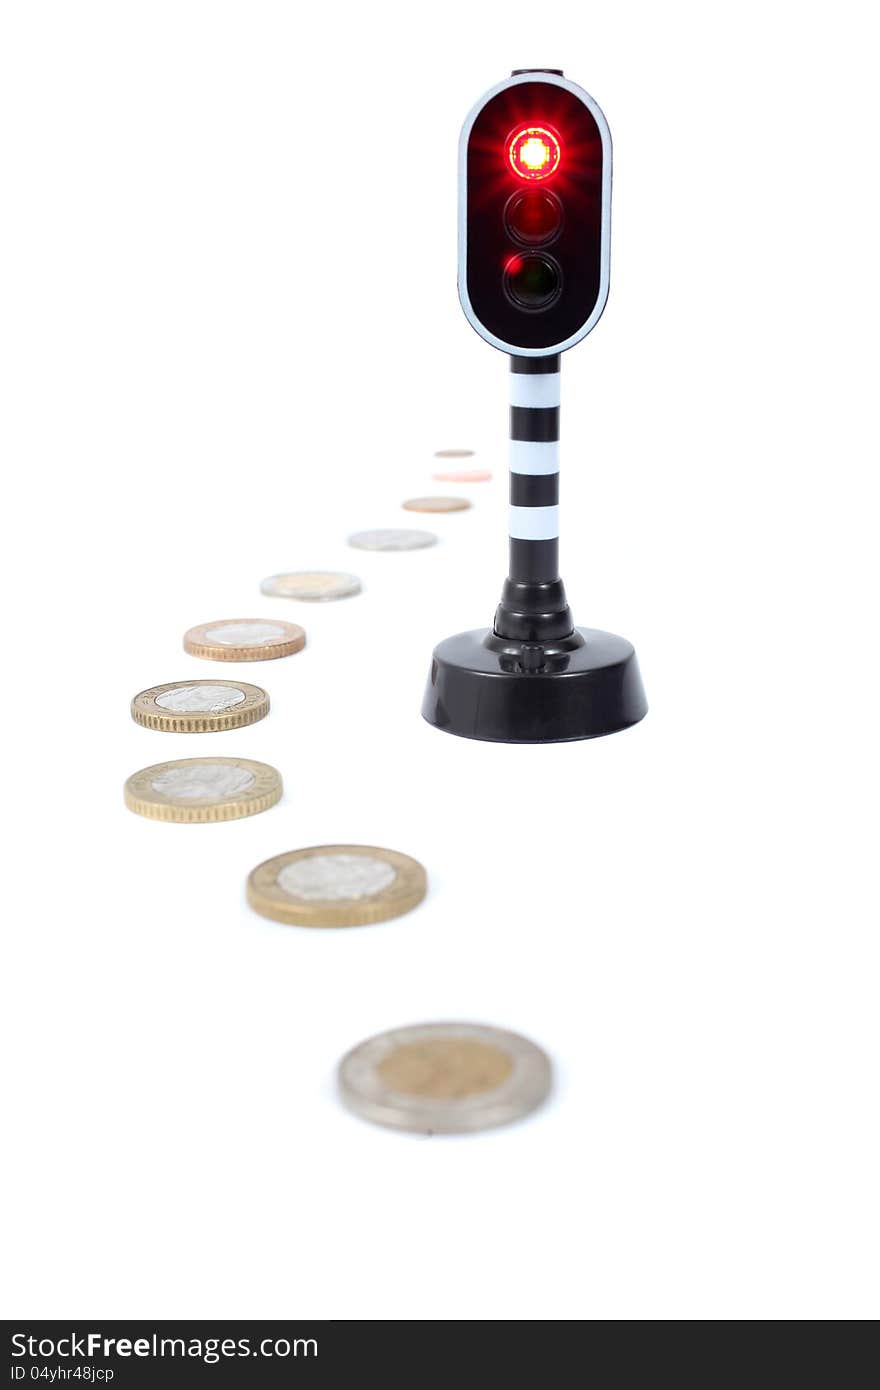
(392, 539)
(313, 586)
(330, 878)
(209, 698)
(444, 1078)
(202, 781)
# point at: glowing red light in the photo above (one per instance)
(534, 152)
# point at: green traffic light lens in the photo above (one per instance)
(532, 282)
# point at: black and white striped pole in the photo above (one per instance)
(534, 240)
(534, 504)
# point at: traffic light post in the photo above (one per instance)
(533, 606)
(534, 231)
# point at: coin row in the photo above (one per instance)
(434, 1078)
(428, 1078)
(322, 886)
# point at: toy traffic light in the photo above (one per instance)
(534, 232)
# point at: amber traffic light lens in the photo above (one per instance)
(533, 217)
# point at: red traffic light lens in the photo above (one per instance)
(534, 152)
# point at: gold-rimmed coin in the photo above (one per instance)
(312, 586)
(436, 504)
(336, 886)
(244, 639)
(445, 1078)
(199, 707)
(193, 790)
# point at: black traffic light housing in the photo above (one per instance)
(534, 236)
(514, 208)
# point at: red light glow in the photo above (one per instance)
(534, 152)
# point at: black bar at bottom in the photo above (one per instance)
(144, 1354)
(307, 1354)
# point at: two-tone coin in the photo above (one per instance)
(336, 886)
(445, 1078)
(197, 707)
(436, 504)
(193, 790)
(392, 538)
(312, 586)
(244, 639)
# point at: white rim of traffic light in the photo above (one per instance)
(605, 242)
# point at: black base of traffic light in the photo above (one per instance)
(488, 687)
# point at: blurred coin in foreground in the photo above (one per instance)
(445, 1078)
(463, 475)
(453, 453)
(392, 539)
(244, 639)
(313, 586)
(336, 886)
(198, 707)
(192, 790)
(436, 504)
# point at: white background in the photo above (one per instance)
(231, 336)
